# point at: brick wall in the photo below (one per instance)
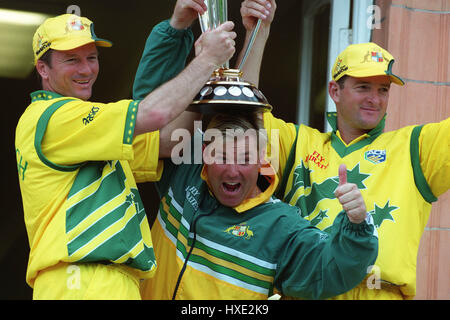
(416, 32)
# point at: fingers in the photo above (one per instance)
(342, 174)
(352, 202)
(185, 12)
(197, 5)
(218, 45)
(227, 26)
(256, 8)
(252, 10)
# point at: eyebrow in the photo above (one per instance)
(387, 85)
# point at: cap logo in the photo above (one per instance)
(75, 24)
(339, 69)
(42, 45)
(377, 56)
(374, 56)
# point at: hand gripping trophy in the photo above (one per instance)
(226, 92)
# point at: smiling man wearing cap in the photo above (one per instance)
(79, 161)
(400, 173)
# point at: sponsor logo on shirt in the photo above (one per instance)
(317, 159)
(375, 156)
(91, 115)
(192, 194)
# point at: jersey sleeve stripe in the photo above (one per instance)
(40, 132)
(419, 177)
(130, 122)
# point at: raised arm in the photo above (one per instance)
(251, 11)
(170, 99)
(164, 57)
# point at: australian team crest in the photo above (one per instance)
(240, 230)
(375, 156)
(377, 56)
(74, 23)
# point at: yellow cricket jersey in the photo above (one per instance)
(400, 173)
(78, 166)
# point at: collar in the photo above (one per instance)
(268, 172)
(44, 95)
(332, 120)
(344, 149)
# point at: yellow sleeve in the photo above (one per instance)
(434, 146)
(281, 136)
(146, 165)
(80, 131)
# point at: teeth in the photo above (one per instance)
(232, 183)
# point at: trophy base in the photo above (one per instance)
(212, 107)
(225, 92)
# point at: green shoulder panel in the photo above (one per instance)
(419, 177)
(41, 127)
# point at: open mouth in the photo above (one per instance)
(231, 187)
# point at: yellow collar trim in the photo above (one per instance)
(362, 137)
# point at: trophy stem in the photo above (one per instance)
(250, 44)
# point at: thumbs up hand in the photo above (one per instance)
(350, 198)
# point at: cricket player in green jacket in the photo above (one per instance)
(220, 234)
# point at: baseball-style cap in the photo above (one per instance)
(65, 32)
(365, 60)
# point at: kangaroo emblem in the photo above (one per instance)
(240, 230)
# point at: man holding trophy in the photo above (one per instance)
(106, 248)
(219, 233)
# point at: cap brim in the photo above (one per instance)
(362, 74)
(79, 42)
(397, 80)
(103, 43)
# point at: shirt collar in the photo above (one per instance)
(44, 95)
(332, 120)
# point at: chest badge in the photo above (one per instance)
(240, 230)
(375, 156)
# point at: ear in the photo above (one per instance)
(334, 91)
(262, 155)
(42, 69)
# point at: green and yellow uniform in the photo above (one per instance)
(400, 173)
(78, 165)
(209, 251)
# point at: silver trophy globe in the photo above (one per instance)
(226, 92)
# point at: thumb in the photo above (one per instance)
(342, 174)
(226, 26)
